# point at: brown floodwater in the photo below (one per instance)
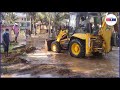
(44, 64)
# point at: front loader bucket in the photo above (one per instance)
(48, 44)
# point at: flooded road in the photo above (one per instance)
(43, 64)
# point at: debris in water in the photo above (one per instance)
(28, 50)
(64, 71)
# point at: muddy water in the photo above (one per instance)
(107, 66)
(43, 64)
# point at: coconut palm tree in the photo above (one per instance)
(56, 17)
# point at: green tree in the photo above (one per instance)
(9, 17)
(57, 18)
(32, 16)
(47, 17)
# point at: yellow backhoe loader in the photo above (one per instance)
(84, 37)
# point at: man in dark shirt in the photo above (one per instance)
(6, 41)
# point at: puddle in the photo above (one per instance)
(21, 76)
(47, 76)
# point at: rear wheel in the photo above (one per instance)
(55, 47)
(77, 48)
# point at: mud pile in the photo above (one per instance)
(14, 56)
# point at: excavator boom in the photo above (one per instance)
(106, 33)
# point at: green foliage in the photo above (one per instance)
(9, 17)
(56, 17)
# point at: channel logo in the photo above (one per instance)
(111, 19)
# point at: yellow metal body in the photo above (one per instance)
(61, 34)
(85, 37)
(104, 32)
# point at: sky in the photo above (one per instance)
(20, 14)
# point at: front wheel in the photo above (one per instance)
(55, 47)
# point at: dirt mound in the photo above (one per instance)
(31, 49)
(14, 56)
(64, 72)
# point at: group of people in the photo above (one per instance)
(6, 38)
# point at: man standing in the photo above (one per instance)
(27, 33)
(6, 41)
(16, 31)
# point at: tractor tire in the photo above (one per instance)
(81, 48)
(55, 47)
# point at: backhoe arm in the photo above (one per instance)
(106, 33)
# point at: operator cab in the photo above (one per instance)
(85, 22)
